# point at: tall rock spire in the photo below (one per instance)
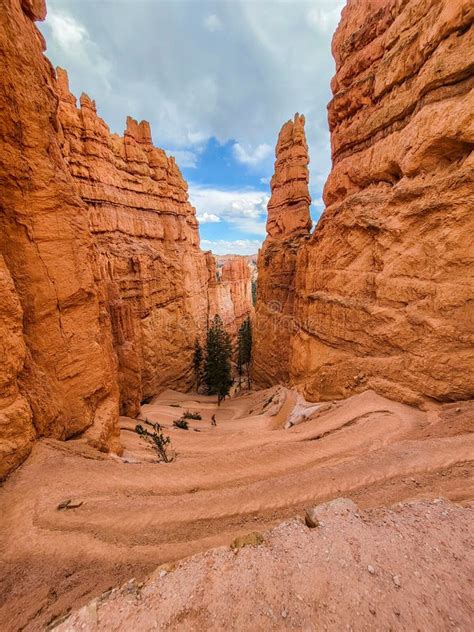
(288, 226)
(288, 208)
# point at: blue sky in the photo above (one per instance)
(216, 79)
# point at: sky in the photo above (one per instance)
(216, 80)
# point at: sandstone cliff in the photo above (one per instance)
(150, 267)
(103, 286)
(229, 290)
(385, 284)
(58, 354)
(288, 227)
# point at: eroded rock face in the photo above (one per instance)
(65, 365)
(288, 227)
(384, 287)
(150, 267)
(229, 290)
(103, 285)
(16, 425)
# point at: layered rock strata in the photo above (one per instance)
(58, 367)
(384, 287)
(103, 286)
(288, 227)
(145, 233)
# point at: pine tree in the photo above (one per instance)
(217, 366)
(197, 362)
(244, 349)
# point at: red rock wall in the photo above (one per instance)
(288, 228)
(229, 290)
(64, 365)
(103, 286)
(145, 232)
(384, 287)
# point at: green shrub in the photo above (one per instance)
(159, 441)
(181, 423)
(190, 415)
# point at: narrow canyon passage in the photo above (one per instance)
(246, 474)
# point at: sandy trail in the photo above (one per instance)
(246, 473)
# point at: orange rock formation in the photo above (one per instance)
(103, 285)
(288, 227)
(58, 367)
(384, 286)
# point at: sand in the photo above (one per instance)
(246, 474)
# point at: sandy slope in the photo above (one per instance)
(358, 570)
(247, 473)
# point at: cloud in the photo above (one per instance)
(184, 158)
(160, 66)
(324, 19)
(66, 30)
(250, 156)
(213, 23)
(236, 247)
(208, 218)
(77, 51)
(243, 210)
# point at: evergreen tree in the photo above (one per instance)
(217, 366)
(244, 349)
(197, 362)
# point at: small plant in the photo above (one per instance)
(160, 442)
(181, 423)
(190, 415)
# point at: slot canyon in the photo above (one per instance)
(335, 491)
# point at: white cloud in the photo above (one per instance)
(212, 23)
(160, 64)
(66, 30)
(324, 19)
(208, 218)
(184, 158)
(265, 180)
(244, 210)
(251, 156)
(237, 247)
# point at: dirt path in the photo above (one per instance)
(244, 474)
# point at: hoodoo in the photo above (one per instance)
(288, 226)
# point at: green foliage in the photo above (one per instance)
(198, 358)
(190, 415)
(181, 423)
(158, 440)
(244, 350)
(217, 366)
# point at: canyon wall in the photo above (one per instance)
(149, 264)
(288, 227)
(103, 286)
(384, 287)
(57, 357)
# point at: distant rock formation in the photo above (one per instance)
(384, 286)
(103, 285)
(288, 228)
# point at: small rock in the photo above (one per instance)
(458, 410)
(396, 581)
(371, 569)
(284, 614)
(310, 519)
(69, 504)
(396, 611)
(371, 609)
(251, 539)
